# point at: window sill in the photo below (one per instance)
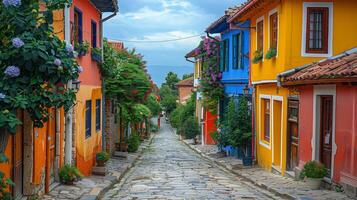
(316, 55)
(265, 144)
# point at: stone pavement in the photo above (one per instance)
(93, 186)
(170, 170)
(283, 186)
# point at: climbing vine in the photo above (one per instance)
(211, 88)
(35, 64)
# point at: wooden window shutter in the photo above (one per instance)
(221, 49)
(88, 123)
(235, 51)
(240, 51)
(226, 65)
(97, 114)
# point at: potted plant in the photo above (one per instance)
(69, 174)
(313, 174)
(133, 142)
(81, 48)
(271, 53)
(97, 54)
(257, 56)
(101, 158)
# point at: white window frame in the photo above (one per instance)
(256, 34)
(281, 99)
(263, 142)
(271, 12)
(328, 5)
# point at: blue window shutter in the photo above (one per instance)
(221, 49)
(240, 51)
(88, 118)
(234, 52)
(226, 65)
(97, 114)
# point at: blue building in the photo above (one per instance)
(234, 59)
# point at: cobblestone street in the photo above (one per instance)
(170, 170)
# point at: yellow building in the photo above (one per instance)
(300, 32)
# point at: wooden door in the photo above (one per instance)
(293, 134)
(51, 149)
(18, 160)
(326, 131)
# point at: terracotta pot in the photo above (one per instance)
(100, 163)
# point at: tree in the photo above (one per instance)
(171, 81)
(186, 76)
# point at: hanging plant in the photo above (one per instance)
(35, 61)
(211, 87)
(257, 56)
(81, 48)
(97, 54)
(271, 53)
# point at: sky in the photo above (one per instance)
(157, 20)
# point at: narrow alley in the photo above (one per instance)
(170, 170)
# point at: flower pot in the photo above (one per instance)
(100, 163)
(96, 57)
(247, 161)
(313, 183)
(82, 53)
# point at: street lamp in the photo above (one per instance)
(246, 90)
(76, 84)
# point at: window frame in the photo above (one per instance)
(224, 53)
(304, 52)
(272, 13)
(266, 125)
(94, 33)
(98, 114)
(88, 119)
(79, 36)
(238, 41)
(259, 20)
(324, 30)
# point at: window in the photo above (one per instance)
(273, 30)
(88, 118)
(317, 29)
(77, 26)
(224, 55)
(266, 120)
(97, 114)
(237, 51)
(260, 37)
(94, 34)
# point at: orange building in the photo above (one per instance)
(185, 89)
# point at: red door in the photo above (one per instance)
(326, 131)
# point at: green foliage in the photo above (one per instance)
(171, 80)
(154, 128)
(40, 84)
(69, 174)
(190, 128)
(183, 113)
(257, 56)
(174, 117)
(4, 182)
(133, 142)
(153, 104)
(271, 53)
(97, 54)
(81, 48)
(168, 99)
(186, 76)
(313, 169)
(139, 112)
(102, 156)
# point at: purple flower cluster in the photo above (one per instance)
(69, 48)
(17, 42)
(8, 3)
(57, 62)
(12, 71)
(2, 96)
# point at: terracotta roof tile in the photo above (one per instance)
(186, 82)
(343, 66)
(116, 44)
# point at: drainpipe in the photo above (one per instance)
(104, 142)
(68, 122)
(212, 37)
(187, 59)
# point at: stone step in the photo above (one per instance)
(121, 154)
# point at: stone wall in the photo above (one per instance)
(111, 129)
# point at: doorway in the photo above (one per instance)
(51, 150)
(17, 157)
(293, 134)
(325, 143)
(277, 125)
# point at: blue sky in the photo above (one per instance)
(161, 20)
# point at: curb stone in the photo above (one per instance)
(229, 168)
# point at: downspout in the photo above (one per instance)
(68, 122)
(212, 37)
(104, 142)
(189, 60)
